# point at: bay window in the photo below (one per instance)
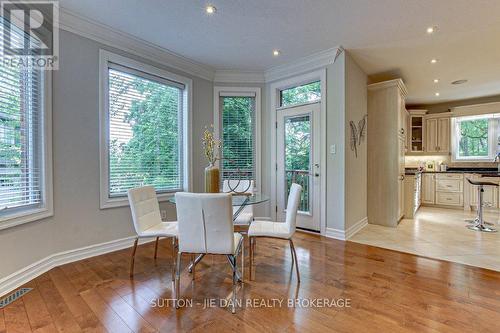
(25, 142)
(143, 129)
(236, 123)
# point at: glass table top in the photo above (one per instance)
(240, 200)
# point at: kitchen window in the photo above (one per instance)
(143, 125)
(475, 138)
(25, 142)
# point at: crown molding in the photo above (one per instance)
(235, 76)
(83, 26)
(104, 34)
(388, 84)
(306, 64)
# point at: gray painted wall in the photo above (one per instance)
(356, 168)
(77, 220)
(346, 175)
(335, 135)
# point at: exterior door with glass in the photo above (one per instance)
(298, 159)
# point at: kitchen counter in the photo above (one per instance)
(487, 172)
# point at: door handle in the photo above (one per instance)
(316, 175)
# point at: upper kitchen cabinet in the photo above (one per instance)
(386, 139)
(437, 133)
(416, 131)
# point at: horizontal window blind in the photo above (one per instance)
(21, 144)
(145, 132)
(237, 125)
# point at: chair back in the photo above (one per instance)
(144, 207)
(205, 223)
(292, 207)
(239, 186)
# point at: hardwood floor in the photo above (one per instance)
(388, 291)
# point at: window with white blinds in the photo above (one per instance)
(237, 130)
(145, 131)
(22, 144)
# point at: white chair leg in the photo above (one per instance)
(296, 260)
(242, 261)
(132, 260)
(156, 247)
(233, 310)
(177, 284)
(173, 258)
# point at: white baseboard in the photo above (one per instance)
(356, 227)
(26, 274)
(346, 234)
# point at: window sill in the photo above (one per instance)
(123, 201)
(31, 215)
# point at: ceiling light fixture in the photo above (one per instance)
(433, 61)
(431, 30)
(459, 82)
(210, 9)
(437, 94)
(276, 53)
(436, 80)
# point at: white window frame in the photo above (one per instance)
(243, 92)
(493, 132)
(21, 216)
(106, 57)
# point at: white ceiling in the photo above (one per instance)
(386, 37)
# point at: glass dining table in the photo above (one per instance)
(240, 201)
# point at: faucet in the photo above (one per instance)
(497, 161)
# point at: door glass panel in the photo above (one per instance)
(298, 157)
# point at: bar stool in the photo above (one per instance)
(479, 223)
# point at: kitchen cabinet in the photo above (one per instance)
(386, 140)
(443, 189)
(428, 189)
(401, 198)
(443, 134)
(416, 131)
(412, 196)
(437, 134)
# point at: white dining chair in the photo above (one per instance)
(147, 221)
(280, 230)
(206, 227)
(243, 187)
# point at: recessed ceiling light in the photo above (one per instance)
(210, 9)
(431, 30)
(276, 53)
(459, 81)
(436, 80)
(433, 61)
(437, 94)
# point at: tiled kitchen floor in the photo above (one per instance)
(439, 233)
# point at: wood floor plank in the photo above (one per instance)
(389, 291)
(59, 311)
(126, 312)
(16, 319)
(2, 322)
(105, 313)
(38, 314)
